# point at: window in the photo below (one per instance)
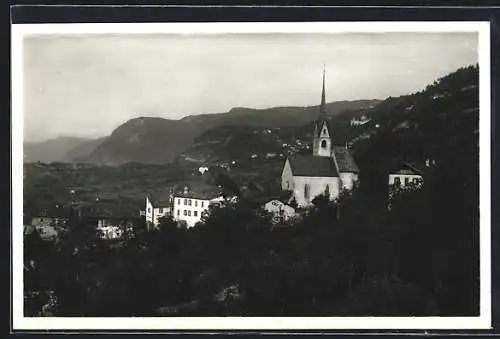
(178, 212)
(189, 213)
(196, 203)
(160, 210)
(179, 201)
(195, 213)
(407, 181)
(189, 202)
(323, 144)
(185, 202)
(202, 204)
(149, 209)
(306, 191)
(397, 181)
(185, 212)
(327, 190)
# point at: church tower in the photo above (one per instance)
(322, 142)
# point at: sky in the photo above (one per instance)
(86, 86)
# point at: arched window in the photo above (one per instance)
(323, 144)
(306, 191)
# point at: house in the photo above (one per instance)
(406, 174)
(329, 170)
(193, 201)
(359, 122)
(110, 219)
(50, 220)
(156, 208)
(279, 210)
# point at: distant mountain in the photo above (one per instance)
(157, 140)
(81, 152)
(50, 150)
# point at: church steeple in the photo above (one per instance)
(322, 108)
(322, 142)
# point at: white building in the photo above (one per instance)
(113, 228)
(156, 208)
(191, 204)
(406, 175)
(330, 169)
(279, 210)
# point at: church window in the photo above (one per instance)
(323, 144)
(397, 181)
(306, 191)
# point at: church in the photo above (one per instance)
(328, 170)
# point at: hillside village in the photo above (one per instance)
(330, 170)
(288, 175)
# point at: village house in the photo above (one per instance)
(280, 211)
(405, 175)
(329, 170)
(49, 221)
(110, 219)
(193, 201)
(157, 208)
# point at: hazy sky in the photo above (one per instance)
(88, 85)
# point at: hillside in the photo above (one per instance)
(82, 151)
(50, 150)
(160, 141)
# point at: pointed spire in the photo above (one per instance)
(323, 97)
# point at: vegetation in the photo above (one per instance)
(350, 258)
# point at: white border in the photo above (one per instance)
(254, 323)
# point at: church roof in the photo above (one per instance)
(313, 166)
(345, 161)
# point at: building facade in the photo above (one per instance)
(189, 206)
(156, 209)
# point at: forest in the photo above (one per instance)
(350, 258)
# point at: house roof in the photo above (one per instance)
(107, 210)
(409, 166)
(198, 190)
(312, 166)
(158, 200)
(53, 212)
(345, 160)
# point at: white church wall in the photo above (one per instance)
(317, 186)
